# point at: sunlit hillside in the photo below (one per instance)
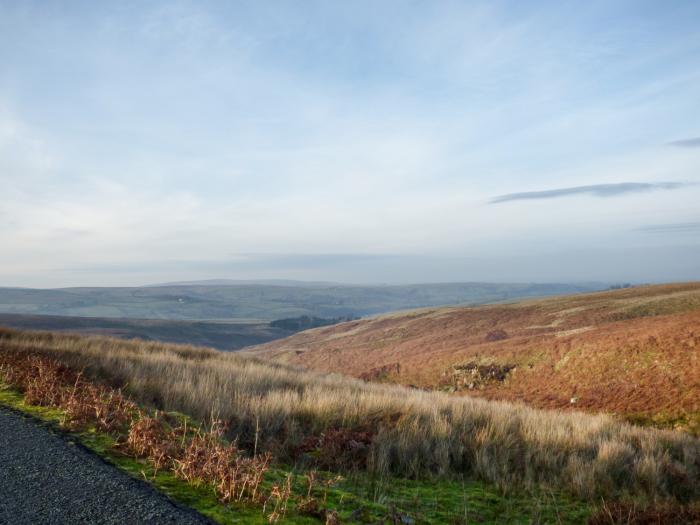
(633, 351)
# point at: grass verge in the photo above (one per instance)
(357, 498)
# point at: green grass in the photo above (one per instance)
(357, 498)
(687, 422)
(455, 502)
(667, 306)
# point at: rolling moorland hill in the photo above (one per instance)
(634, 352)
(264, 302)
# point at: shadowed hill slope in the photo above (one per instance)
(220, 335)
(635, 351)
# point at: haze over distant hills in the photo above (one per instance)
(244, 282)
(197, 301)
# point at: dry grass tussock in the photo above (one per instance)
(194, 454)
(406, 432)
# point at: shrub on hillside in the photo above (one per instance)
(496, 335)
(338, 448)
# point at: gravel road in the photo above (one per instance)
(47, 479)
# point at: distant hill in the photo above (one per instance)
(219, 335)
(263, 301)
(244, 282)
(633, 351)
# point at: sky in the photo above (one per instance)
(366, 141)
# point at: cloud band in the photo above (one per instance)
(596, 190)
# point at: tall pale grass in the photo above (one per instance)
(416, 433)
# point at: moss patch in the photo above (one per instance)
(685, 422)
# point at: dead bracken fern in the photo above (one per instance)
(46, 382)
(278, 499)
(338, 448)
(196, 455)
(661, 514)
(313, 506)
(208, 459)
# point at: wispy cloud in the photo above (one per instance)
(193, 130)
(681, 227)
(686, 143)
(596, 190)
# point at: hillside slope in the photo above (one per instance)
(634, 351)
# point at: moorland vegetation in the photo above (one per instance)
(385, 429)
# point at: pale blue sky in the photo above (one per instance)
(378, 141)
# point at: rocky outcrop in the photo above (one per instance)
(474, 375)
